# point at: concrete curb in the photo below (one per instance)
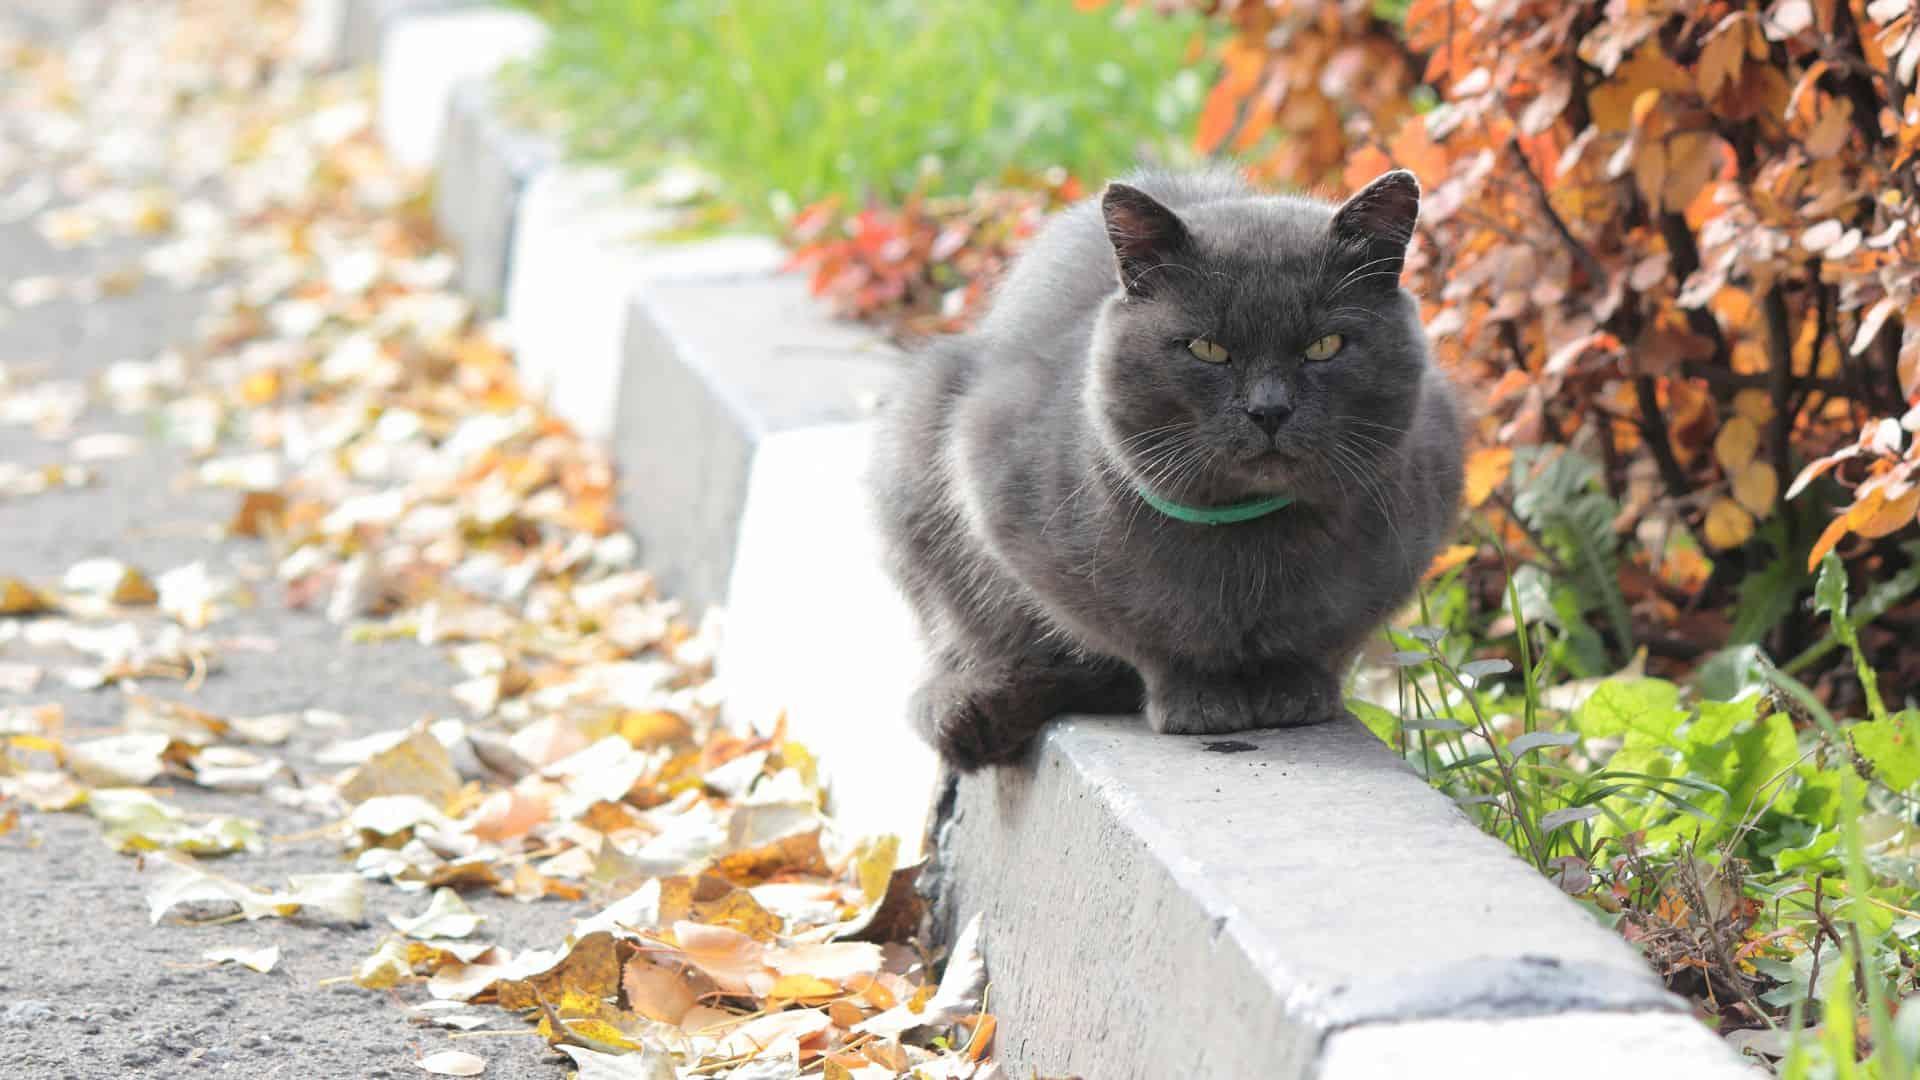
(424, 56)
(364, 25)
(485, 165)
(1325, 897)
(1306, 908)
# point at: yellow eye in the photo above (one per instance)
(1209, 351)
(1325, 347)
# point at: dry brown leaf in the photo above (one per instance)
(417, 765)
(656, 992)
(734, 961)
(590, 967)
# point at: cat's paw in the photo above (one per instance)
(966, 733)
(1298, 698)
(1214, 705)
(1201, 707)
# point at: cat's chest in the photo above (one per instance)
(1236, 577)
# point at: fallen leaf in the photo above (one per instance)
(181, 881)
(19, 598)
(135, 821)
(452, 1063)
(656, 992)
(733, 960)
(958, 995)
(119, 760)
(386, 967)
(642, 1065)
(446, 916)
(416, 765)
(261, 958)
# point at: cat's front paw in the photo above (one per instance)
(1298, 698)
(1201, 706)
(1215, 704)
(963, 728)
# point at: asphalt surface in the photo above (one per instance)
(88, 988)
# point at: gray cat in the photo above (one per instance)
(1199, 487)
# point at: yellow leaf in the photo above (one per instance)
(1691, 160)
(600, 1031)
(1728, 524)
(1829, 537)
(260, 387)
(1890, 515)
(1736, 445)
(981, 1041)
(1754, 404)
(260, 513)
(1487, 469)
(1453, 556)
(1756, 486)
(19, 598)
(798, 987)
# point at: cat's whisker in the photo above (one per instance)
(1352, 275)
(1394, 274)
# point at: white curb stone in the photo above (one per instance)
(366, 23)
(483, 170)
(1252, 902)
(320, 42)
(815, 631)
(423, 58)
(711, 371)
(1567, 1046)
(580, 254)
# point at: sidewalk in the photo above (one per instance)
(88, 987)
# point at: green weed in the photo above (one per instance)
(1762, 853)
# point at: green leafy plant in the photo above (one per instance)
(1761, 852)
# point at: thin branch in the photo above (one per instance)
(1595, 272)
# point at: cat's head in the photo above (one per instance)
(1258, 345)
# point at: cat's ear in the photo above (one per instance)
(1380, 217)
(1145, 234)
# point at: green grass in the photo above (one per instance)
(788, 101)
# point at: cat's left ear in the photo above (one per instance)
(1380, 217)
(1145, 234)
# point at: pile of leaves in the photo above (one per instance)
(370, 435)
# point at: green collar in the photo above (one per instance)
(1220, 515)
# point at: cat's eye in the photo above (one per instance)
(1210, 351)
(1325, 347)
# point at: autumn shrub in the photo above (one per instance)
(1676, 236)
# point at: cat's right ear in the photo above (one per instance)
(1145, 235)
(1379, 218)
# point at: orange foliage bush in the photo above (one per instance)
(924, 267)
(1678, 233)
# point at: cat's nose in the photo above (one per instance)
(1270, 415)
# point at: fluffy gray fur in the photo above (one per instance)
(1008, 471)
